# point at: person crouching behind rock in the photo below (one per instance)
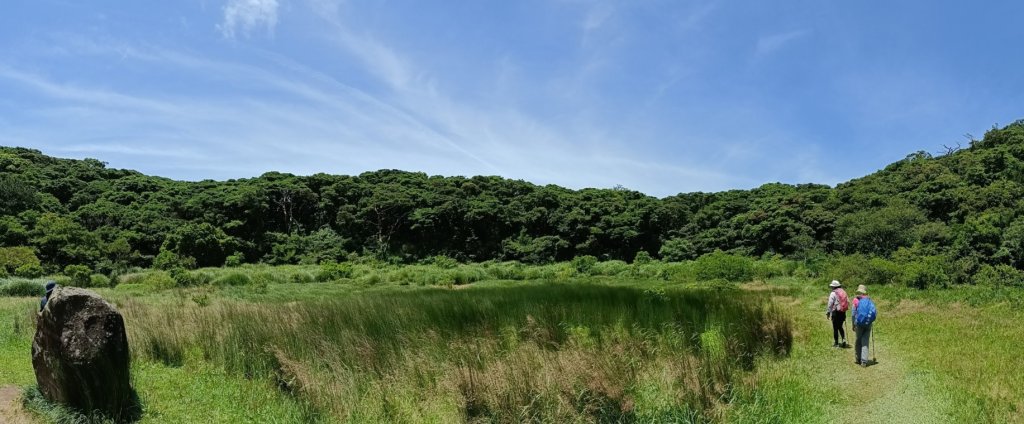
(50, 285)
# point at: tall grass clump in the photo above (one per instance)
(544, 353)
(20, 287)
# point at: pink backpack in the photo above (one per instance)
(843, 300)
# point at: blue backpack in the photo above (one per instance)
(866, 312)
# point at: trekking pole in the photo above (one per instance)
(874, 359)
(849, 335)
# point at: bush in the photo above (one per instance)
(443, 262)
(773, 267)
(29, 271)
(721, 265)
(334, 271)
(929, 271)
(99, 280)
(12, 258)
(266, 278)
(233, 279)
(79, 275)
(999, 276)
(159, 280)
(506, 271)
(301, 277)
(610, 268)
(22, 288)
(185, 278)
(642, 257)
(236, 259)
(677, 249)
(4, 273)
(167, 260)
(584, 264)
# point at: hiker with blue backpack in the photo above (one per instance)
(838, 304)
(864, 314)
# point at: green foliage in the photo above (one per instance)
(12, 258)
(99, 280)
(443, 262)
(155, 280)
(677, 249)
(185, 278)
(963, 206)
(234, 260)
(721, 265)
(999, 276)
(584, 264)
(610, 268)
(80, 275)
(22, 288)
(233, 279)
(642, 258)
(29, 271)
(168, 260)
(334, 271)
(880, 231)
(548, 337)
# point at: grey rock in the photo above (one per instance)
(80, 353)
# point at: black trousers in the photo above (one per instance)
(838, 319)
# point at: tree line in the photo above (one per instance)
(961, 209)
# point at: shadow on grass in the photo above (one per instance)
(61, 414)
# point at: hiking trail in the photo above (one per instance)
(11, 411)
(890, 390)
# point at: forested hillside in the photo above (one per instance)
(959, 213)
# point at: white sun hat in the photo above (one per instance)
(835, 283)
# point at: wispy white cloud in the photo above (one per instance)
(245, 15)
(769, 44)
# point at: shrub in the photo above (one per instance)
(677, 249)
(266, 278)
(79, 275)
(584, 264)
(22, 288)
(999, 276)
(929, 271)
(724, 266)
(301, 277)
(234, 260)
(159, 280)
(4, 273)
(167, 260)
(444, 262)
(185, 278)
(467, 275)
(610, 268)
(771, 267)
(12, 258)
(233, 279)
(506, 271)
(29, 271)
(642, 257)
(334, 271)
(99, 280)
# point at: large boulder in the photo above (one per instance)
(80, 353)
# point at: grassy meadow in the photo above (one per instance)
(584, 341)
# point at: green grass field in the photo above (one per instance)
(410, 345)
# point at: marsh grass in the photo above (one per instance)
(541, 352)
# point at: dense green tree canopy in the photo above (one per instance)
(963, 206)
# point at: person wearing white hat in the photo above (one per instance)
(838, 304)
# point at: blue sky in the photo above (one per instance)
(658, 96)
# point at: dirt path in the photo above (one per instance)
(888, 391)
(11, 411)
